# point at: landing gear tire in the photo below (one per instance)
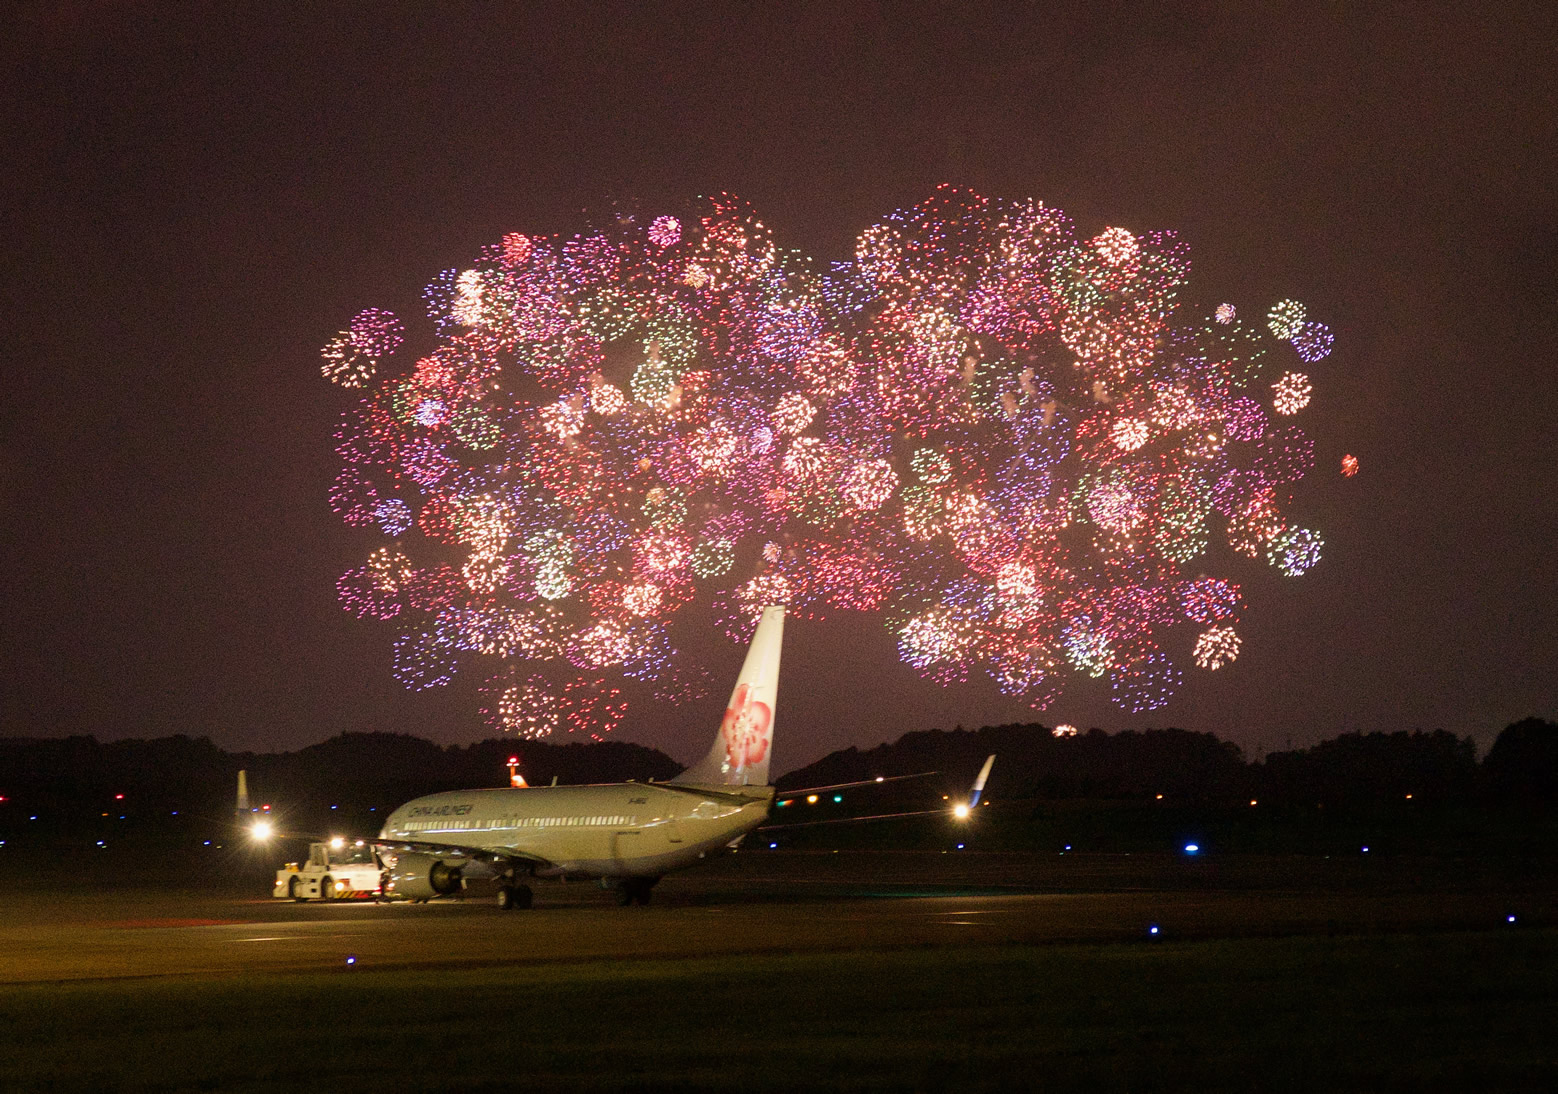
(519, 896)
(292, 891)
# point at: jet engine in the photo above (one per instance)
(422, 877)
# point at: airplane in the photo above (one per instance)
(626, 834)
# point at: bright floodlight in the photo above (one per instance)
(960, 811)
(262, 829)
(336, 843)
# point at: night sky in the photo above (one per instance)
(195, 201)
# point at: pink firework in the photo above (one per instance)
(1001, 435)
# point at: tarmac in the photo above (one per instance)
(750, 903)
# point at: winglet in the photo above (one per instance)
(979, 783)
(740, 753)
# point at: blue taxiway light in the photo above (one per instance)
(1192, 848)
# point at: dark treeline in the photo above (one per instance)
(356, 773)
(1355, 767)
(362, 773)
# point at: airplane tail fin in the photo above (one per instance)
(739, 756)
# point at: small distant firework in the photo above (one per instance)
(1286, 319)
(1349, 465)
(1129, 433)
(352, 356)
(1117, 247)
(1064, 731)
(1295, 551)
(995, 433)
(1313, 342)
(1292, 393)
(377, 333)
(665, 231)
(1216, 647)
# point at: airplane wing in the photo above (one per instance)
(960, 810)
(480, 854)
(708, 792)
(948, 812)
(783, 797)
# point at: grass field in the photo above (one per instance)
(1455, 1011)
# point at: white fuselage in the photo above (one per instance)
(608, 830)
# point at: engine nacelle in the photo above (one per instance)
(422, 877)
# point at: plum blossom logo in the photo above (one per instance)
(745, 729)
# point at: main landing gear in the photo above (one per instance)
(515, 896)
(635, 890)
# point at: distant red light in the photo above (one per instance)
(118, 797)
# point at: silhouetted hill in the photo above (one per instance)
(1034, 763)
(1187, 766)
(77, 782)
(1523, 762)
(78, 785)
(1374, 766)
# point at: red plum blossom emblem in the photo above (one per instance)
(745, 729)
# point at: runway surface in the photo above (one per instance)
(749, 903)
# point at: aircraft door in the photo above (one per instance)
(625, 843)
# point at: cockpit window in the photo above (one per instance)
(348, 856)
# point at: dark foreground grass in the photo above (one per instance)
(1471, 1011)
